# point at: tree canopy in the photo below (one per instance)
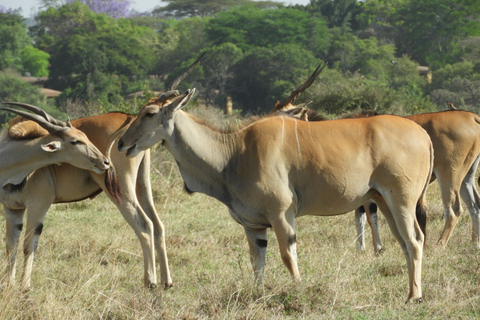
(257, 52)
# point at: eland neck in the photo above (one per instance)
(202, 154)
(20, 157)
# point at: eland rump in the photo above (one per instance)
(274, 169)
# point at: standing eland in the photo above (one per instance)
(455, 135)
(277, 168)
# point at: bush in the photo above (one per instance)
(14, 89)
(336, 93)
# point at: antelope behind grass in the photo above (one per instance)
(275, 169)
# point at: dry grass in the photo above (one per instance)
(89, 266)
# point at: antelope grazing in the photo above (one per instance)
(275, 169)
(29, 148)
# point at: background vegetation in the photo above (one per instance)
(97, 51)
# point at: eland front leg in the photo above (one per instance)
(13, 229)
(145, 198)
(35, 217)
(284, 228)
(257, 243)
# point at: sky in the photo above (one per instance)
(30, 7)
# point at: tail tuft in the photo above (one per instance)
(421, 215)
(112, 185)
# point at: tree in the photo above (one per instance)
(349, 53)
(204, 8)
(34, 61)
(338, 13)
(15, 89)
(432, 29)
(265, 75)
(13, 38)
(429, 31)
(114, 8)
(217, 65)
(92, 55)
(179, 41)
(249, 27)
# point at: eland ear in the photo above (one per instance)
(183, 101)
(52, 146)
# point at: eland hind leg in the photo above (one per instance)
(450, 183)
(360, 221)
(368, 213)
(372, 219)
(472, 200)
(144, 193)
(36, 213)
(13, 229)
(406, 229)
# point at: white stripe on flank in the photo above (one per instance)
(298, 141)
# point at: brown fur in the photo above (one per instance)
(21, 128)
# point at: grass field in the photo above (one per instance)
(89, 266)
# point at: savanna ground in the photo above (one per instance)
(89, 266)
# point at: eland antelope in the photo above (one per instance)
(367, 212)
(277, 168)
(29, 149)
(455, 135)
(130, 191)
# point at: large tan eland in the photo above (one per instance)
(275, 169)
(455, 135)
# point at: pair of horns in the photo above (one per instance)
(46, 121)
(295, 93)
(170, 91)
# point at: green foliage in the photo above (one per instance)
(217, 66)
(447, 22)
(92, 55)
(249, 27)
(180, 41)
(339, 13)
(459, 84)
(337, 94)
(13, 38)
(264, 75)
(14, 89)
(34, 61)
(350, 53)
(203, 8)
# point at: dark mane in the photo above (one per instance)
(231, 127)
(360, 114)
(312, 114)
